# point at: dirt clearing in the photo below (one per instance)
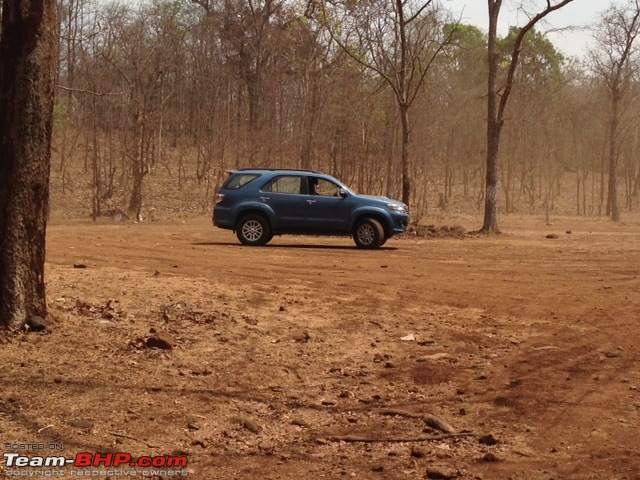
(484, 357)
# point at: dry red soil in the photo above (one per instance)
(512, 356)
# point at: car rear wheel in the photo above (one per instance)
(253, 230)
(368, 233)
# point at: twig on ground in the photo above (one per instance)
(420, 438)
(122, 435)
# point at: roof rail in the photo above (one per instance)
(277, 169)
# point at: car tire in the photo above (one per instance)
(368, 233)
(253, 230)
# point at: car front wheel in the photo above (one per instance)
(253, 230)
(368, 233)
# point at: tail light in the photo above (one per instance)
(219, 197)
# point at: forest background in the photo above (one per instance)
(156, 100)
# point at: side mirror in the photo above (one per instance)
(343, 193)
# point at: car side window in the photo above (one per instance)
(325, 188)
(234, 182)
(285, 184)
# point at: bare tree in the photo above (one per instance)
(28, 50)
(615, 61)
(497, 102)
(399, 41)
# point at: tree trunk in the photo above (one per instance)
(406, 165)
(612, 196)
(138, 168)
(27, 75)
(490, 224)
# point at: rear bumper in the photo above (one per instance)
(222, 219)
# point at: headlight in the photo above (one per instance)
(397, 207)
(219, 197)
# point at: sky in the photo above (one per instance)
(579, 14)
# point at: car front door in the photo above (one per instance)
(326, 210)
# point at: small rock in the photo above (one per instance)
(79, 265)
(160, 340)
(282, 308)
(82, 424)
(568, 232)
(552, 235)
(418, 452)
(299, 422)
(36, 324)
(408, 338)
(377, 468)
(441, 472)
(613, 354)
(439, 424)
(489, 440)
(489, 457)
(266, 445)
(194, 426)
(57, 380)
(247, 423)
(434, 357)
(301, 336)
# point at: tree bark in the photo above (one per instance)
(27, 75)
(138, 166)
(612, 195)
(406, 159)
(494, 124)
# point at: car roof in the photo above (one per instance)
(274, 170)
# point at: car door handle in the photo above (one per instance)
(311, 201)
(264, 199)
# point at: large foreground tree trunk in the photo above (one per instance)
(494, 125)
(27, 72)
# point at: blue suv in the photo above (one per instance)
(260, 203)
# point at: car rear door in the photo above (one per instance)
(284, 194)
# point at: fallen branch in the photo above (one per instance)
(401, 413)
(420, 438)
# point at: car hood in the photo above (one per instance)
(383, 199)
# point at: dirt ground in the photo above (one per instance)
(508, 357)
